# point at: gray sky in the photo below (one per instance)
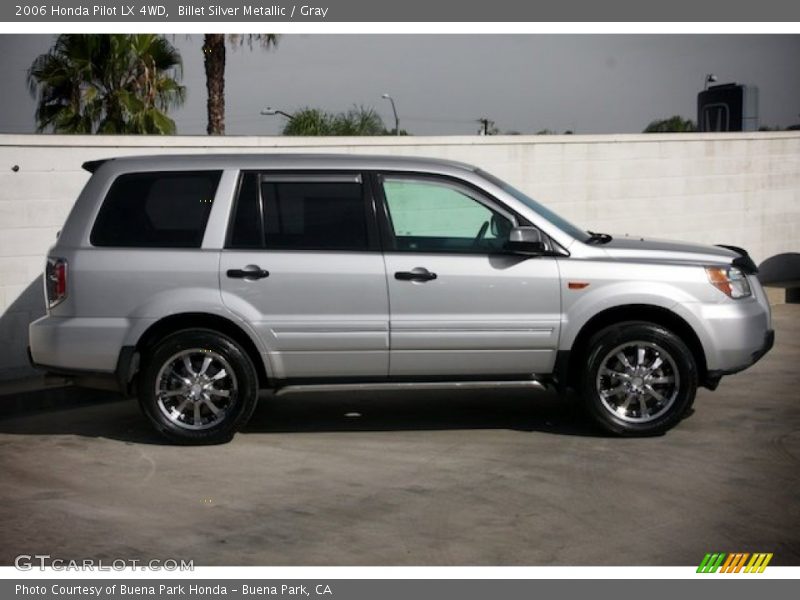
(443, 83)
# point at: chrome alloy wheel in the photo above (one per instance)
(638, 381)
(196, 389)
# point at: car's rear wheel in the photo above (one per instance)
(640, 378)
(198, 387)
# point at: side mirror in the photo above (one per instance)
(500, 227)
(526, 240)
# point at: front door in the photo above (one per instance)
(460, 306)
(302, 264)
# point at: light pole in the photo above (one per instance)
(394, 110)
(710, 78)
(269, 112)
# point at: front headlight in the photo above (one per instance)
(730, 281)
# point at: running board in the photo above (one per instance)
(411, 385)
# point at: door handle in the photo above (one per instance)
(250, 272)
(416, 274)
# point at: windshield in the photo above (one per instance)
(546, 213)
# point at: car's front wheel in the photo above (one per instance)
(640, 378)
(198, 387)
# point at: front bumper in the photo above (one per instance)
(769, 342)
(734, 334)
(713, 376)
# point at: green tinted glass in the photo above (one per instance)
(422, 209)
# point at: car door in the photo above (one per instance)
(302, 265)
(460, 305)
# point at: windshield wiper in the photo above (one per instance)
(598, 238)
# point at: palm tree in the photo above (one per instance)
(89, 83)
(359, 121)
(309, 121)
(214, 62)
(356, 121)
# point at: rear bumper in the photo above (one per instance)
(78, 343)
(89, 352)
(120, 380)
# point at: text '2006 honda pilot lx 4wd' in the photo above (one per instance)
(194, 281)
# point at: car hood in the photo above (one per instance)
(636, 248)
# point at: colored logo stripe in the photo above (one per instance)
(734, 562)
(711, 563)
(758, 563)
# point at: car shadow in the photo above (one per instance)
(519, 410)
(108, 415)
(14, 321)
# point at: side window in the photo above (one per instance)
(314, 214)
(156, 210)
(434, 216)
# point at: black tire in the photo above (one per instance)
(629, 417)
(232, 411)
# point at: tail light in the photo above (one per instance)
(55, 281)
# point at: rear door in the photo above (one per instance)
(302, 263)
(460, 306)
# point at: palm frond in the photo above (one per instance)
(119, 83)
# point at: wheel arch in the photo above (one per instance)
(568, 362)
(198, 320)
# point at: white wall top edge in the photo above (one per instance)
(238, 141)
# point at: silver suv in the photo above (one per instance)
(194, 281)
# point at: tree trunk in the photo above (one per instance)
(214, 62)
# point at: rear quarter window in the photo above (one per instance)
(156, 210)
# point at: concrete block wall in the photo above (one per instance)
(736, 188)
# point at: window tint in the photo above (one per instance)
(156, 210)
(430, 216)
(299, 215)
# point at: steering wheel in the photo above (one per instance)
(481, 233)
